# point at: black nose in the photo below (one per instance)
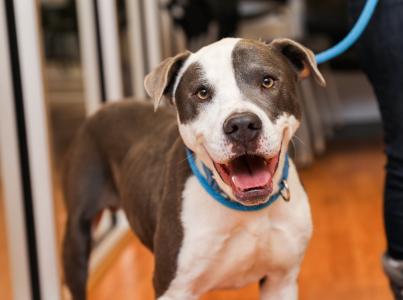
(242, 127)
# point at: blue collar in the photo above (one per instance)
(212, 188)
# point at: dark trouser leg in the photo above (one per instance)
(381, 56)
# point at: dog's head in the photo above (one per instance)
(237, 108)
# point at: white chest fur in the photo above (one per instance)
(224, 248)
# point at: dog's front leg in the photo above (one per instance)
(279, 286)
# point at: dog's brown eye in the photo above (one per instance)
(203, 94)
(267, 82)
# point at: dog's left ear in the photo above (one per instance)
(159, 82)
(300, 57)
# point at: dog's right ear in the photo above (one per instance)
(159, 82)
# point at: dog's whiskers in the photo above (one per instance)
(294, 154)
(300, 140)
(183, 160)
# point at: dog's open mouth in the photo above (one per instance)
(250, 176)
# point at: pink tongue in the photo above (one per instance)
(249, 173)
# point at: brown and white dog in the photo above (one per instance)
(237, 110)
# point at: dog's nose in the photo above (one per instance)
(242, 127)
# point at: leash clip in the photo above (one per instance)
(285, 191)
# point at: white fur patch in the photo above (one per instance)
(224, 248)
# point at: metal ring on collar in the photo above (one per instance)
(286, 188)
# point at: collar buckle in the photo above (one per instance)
(285, 191)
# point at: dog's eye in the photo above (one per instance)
(203, 93)
(267, 82)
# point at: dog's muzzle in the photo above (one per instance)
(248, 173)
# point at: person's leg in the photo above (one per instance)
(381, 56)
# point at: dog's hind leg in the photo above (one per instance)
(76, 250)
(88, 189)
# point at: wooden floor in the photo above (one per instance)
(5, 281)
(342, 262)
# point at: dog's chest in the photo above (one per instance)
(223, 248)
(237, 255)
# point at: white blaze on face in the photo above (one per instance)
(204, 134)
(207, 129)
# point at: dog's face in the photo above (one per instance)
(237, 108)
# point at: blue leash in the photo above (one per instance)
(211, 186)
(352, 36)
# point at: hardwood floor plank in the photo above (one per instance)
(5, 280)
